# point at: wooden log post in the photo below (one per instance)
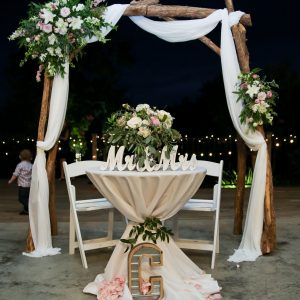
(268, 241)
(40, 137)
(239, 34)
(52, 188)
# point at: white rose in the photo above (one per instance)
(28, 40)
(141, 107)
(144, 132)
(134, 122)
(146, 122)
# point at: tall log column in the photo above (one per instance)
(40, 137)
(52, 189)
(239, 34)
(268, 241)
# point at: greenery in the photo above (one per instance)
(152, 230)
(230, 179)
(258, 97)
(77, 139)
(143, 130)
(56, 32)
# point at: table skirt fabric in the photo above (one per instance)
(138, 195)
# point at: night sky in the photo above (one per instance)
(166, 73)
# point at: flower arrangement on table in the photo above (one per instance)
(56, 32)
(143, 131)
(258, 97)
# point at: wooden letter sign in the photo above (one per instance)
(136, 283)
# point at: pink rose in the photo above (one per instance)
(145, 287)
(257, 101)
(155, 121)
(255, 76)
(261, 96)
(269, 94)
(47, 28)
(65, 11)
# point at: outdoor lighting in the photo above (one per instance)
(210, 154)
(291, 141)
(202, 154)
(277, 145)
(229, 152)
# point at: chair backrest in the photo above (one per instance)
(77, 169)
(216, 170)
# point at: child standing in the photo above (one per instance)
(23, 173)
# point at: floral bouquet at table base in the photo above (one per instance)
(143, 131)
(258, 97)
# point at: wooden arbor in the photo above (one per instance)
(151, 8)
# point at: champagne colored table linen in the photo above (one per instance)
(160, 194)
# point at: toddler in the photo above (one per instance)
(23, 173)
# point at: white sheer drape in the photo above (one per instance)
(174, 31)
(39, 192)
(180, 31)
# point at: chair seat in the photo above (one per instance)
(92, 204)
(200, 205)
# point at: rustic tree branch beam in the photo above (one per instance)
(204, 39)
(210, 44)
(173, 11)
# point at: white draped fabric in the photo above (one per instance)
(180, 31)
(39, 191)
(174, 31)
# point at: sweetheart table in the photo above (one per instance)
(160, 194)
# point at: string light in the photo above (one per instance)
(197, 145)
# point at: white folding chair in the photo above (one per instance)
(205, 205)
(77, 169)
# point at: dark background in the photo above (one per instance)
(137, 67)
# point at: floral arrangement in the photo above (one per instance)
(143, 131)
(258, 97)
(112, 289)
(57, 31)
(152, 230)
